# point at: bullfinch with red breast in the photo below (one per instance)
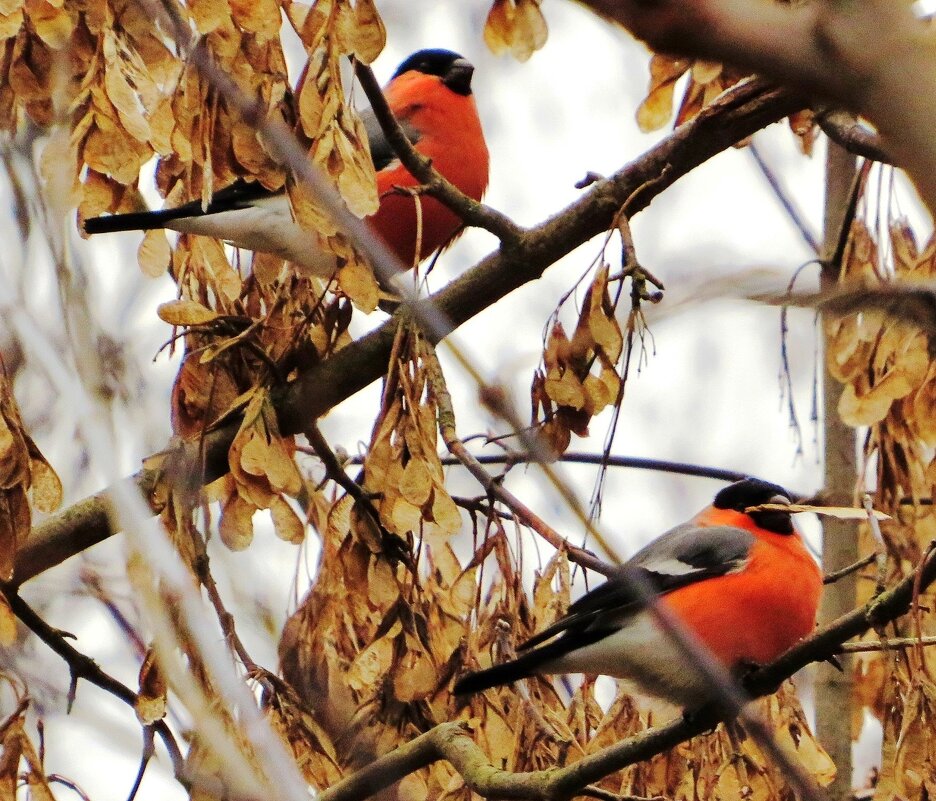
(430, 95)
(742, 582)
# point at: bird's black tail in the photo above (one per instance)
(530, 662)
(139, 220)
(506, 673)
(239, 195)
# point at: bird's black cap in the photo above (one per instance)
(454, 70)
(753, 492)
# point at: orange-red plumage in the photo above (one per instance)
(741, 582)
(430, 95)
(736, 616)
(450, 135)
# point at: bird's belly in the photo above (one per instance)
(644, 654)
(751, 617)
(267, 228)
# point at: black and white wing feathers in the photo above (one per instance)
(684, 555)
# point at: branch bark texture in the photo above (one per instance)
(875, 58)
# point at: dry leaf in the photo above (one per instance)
(286, 522)
(657, 108)
(154, 253)
(7, 628)
(150, 703)
(517, 26)
(838, 512)
(185, 312)
(46, 487)
(236, 524)
(358, 283)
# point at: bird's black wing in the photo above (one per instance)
(381, 151)
(682, 556)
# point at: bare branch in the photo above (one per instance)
(892, 644)
(847, 131)
(83, 667)
(831, 578)
(799, 222)
(636, 462)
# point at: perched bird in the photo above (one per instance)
(430, 95)
(742, 583)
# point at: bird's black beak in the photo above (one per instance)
(458, 76)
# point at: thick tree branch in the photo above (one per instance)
(875, 58)
(452, 742)
(81, 525)
(740, 112)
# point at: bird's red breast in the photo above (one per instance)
(450, 135)
(753, 616)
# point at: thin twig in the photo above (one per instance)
(396, 547)
(630, 267)
(799, 222)
(54, 778)
(95, 586)
(83, 667)
(148, 751)
(494, 487)
(885, 645)
(835, 575)
(880, 546)
(482, 505)
(335, 470)
(635, 462)
(202, 569)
